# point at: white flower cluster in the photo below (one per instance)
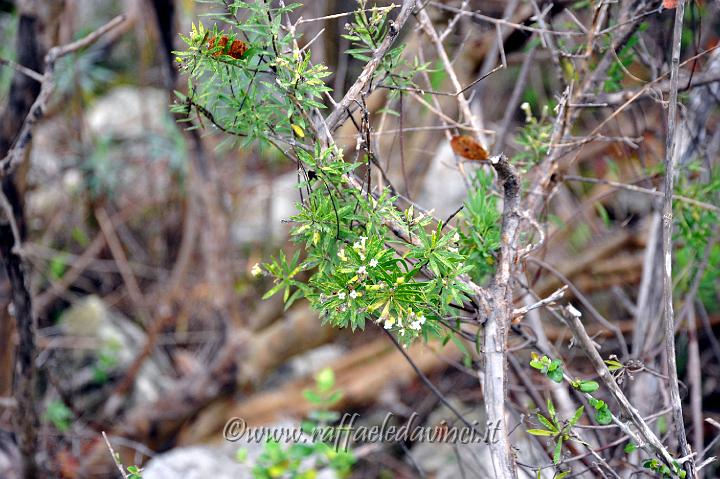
(359, 246)
(415, 320)
(362, 271)
(455, 247)
(456, 240)
(256, 270)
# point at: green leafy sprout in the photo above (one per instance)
(300, 460)
(559, 430)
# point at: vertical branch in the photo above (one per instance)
(494, 379)
(668, 316)
(23, 91)
(695, 379)
(26, 419)
(36, 26)
(499, 310)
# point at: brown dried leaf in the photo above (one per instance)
(237, 48)
(467, 147)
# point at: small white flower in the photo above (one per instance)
(415, 325)
(256, 270)
(362, 270)
(452, 249)
(421, 318)
(373, 263)
(357, 245)
(341, 295)
(354, 294)
(362, 256)
(456, 237)
(341, 254)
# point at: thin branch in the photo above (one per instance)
(16, 154)
(115, 456)
(645, 191)
(28, 72)
(667, 231)
(26, 417)
(651, 441)
(335, 118)
(500, 21)
(121, 260)
(539, 304)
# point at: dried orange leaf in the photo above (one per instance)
(467, 147)
(237, 47)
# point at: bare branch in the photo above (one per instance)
(15, 156)
(667, 231)
(335, 118)
(572, 319)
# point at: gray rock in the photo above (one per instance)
(264, 207)
(118, 342)
(315, 359)
(216, 461)
(197, 462)
(128, 112)
(443, 188)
